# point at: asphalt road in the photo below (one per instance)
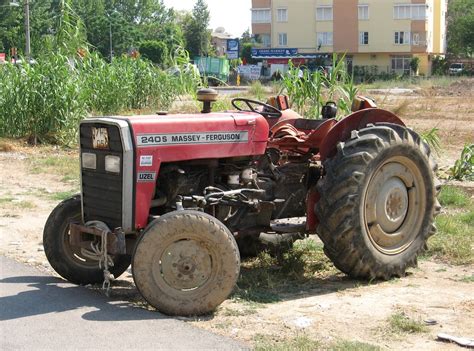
(39, 312)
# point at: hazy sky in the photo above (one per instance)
(233, 15)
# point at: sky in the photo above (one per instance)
(233, 15)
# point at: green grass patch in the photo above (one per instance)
(265, 279)
(467, 279)
(62, 195)
(66, 166)
(454, 241)
(401, 323)
(12, 203)
(345, 345)
(453, 197)
(299, 343)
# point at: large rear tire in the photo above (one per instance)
(186, 263)
(66, 259)
(378, 202)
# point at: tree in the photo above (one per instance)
(461, 27)
(196, 32)
(155, 51)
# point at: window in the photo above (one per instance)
(418, 12)
(402, 11)
(402, 38)
(282, 39)
(261, 16)
(401, 64)
(364, 38)
(418, 39)
(363, 12)
(324, 13)
(324, 38)
(413, 12)
(266, 40)
(282, 15)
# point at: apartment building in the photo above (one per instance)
(380, 35)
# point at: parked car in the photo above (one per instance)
(456, 69)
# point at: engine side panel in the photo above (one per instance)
(162, 139)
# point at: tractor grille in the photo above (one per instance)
(101, 190)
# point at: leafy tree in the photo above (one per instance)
(154, 50)
(461, 27)
(196, 32)
(247, 53)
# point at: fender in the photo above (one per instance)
(356, 121)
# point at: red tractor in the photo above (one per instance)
(181, 197)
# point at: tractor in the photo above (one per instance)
(182, 197)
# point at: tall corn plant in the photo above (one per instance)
(310, 92)
(41, 101)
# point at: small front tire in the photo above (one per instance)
(186, 263)
(66, 259)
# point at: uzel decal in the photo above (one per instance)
(146, 177)
(146, 160)
(192, 138)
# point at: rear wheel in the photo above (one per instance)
(186, 263)
(378, 202)
(66, 259)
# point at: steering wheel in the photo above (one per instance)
(268, 110)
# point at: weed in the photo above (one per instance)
(431, 137)
(453, 197)
(400, 109)
(463, 168)
(400, 323)
(12, 203)
(6, 200)
(299, 343)
(257, 90)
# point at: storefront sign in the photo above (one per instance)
(233, 48)
(270, 53)
(250, 72)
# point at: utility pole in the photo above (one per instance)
(110, 40)
(27, 30)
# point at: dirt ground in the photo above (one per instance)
(338, 308)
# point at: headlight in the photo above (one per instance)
(112, 164)
(89, 160)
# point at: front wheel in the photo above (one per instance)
(186, 263)
(378, 202)
(66, 259)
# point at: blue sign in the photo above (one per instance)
(233, 48)
(265, 53)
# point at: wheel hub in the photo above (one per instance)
(186, 265)
(392, 205)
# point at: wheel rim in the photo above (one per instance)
(394, 204)
(184, 265)
(73, 253)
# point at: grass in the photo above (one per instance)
(467, 279)
(454, 241)
(410, 82)
(453, 197)
(265, 279)
(400, 323)
(66, 166)
(300, 343)
(62, 195)
(13, 203)
(345, 345)
(305, 343)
